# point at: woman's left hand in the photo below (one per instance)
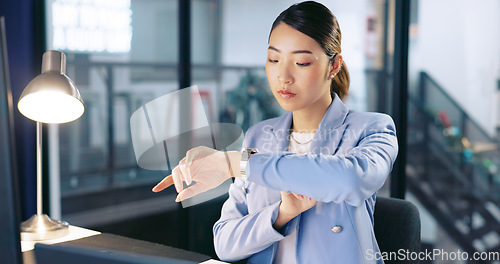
(291, 205)
(294, 204)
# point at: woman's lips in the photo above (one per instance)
(286, 94)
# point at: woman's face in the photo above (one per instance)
(298, 70)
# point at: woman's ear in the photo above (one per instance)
(337, 64)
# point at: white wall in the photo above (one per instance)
(459, 45)
(245, 29)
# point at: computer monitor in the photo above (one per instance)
(10, 241)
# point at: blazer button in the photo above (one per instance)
(337, 229)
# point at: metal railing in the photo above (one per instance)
(453, 168)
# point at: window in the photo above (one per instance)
(93, 158)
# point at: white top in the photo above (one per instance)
(287, 247)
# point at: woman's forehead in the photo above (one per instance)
(285, 38)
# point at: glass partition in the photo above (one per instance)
(453, 155)
(93, 157)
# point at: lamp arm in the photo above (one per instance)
(39, 168)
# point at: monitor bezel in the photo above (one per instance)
(10, 244)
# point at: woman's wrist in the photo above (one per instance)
(234, 159)
(283, 217)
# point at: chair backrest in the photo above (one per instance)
(397, 226)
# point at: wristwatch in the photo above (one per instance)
(245, 155)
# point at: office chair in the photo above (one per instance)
(397, 226)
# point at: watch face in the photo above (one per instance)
(247, 152)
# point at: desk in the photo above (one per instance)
(74, 233)
(84, 237)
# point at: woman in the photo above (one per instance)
(306, 191)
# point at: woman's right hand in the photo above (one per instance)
(207, 167)
(292, 204)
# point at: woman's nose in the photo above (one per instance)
(284, 75)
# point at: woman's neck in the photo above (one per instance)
(307, 120)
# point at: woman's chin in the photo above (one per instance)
(288, 106)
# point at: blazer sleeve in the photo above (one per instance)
(351, 177)
(239, 234)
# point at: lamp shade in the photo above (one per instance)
(51, 97)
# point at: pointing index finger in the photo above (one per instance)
(166, 182)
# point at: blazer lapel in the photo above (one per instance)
(331, 129)
(326, 139)
(281, 132)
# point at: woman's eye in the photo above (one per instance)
(273, 61)
(303, 64)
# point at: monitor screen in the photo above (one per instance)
(10, 242)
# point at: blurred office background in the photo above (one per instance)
(125, 53)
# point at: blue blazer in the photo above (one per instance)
(351, 155)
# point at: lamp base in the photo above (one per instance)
(42, 227)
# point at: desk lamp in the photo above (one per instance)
(51, 97)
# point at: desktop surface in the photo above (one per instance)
(63, 254)
(109, 248)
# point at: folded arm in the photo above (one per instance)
(352, 177)
(239, 234)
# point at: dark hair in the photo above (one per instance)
(317, 21)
